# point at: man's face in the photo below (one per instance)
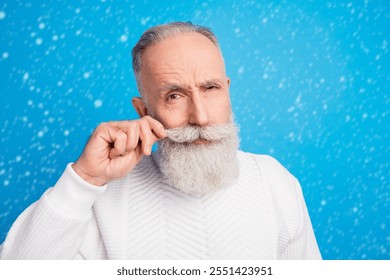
(185, 83)
(186, 89)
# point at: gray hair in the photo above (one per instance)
(160, 33)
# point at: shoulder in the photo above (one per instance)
(270, 168)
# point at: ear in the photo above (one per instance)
(139, 106)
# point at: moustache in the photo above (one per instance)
(190, 133)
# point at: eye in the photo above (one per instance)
(211, 87)
(173, 96)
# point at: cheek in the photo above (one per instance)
(171, 118)
(220, 109)
(155, 111)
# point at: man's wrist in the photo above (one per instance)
(98, 182)
(72, 195)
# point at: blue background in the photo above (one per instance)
(310, 86)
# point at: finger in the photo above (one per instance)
(132, 130)
(133, 133)
(147, 129)
(119, 142)
(147, 137)
(157, 127)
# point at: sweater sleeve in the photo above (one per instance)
(54, 227)
(293, 231)
(303, 245)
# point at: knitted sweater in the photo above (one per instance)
(262, 216)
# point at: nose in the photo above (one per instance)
(198, 114)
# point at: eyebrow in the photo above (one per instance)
(168, 87)
(213, 82)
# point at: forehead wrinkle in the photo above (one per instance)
(186, 75)
(169, 78)
(179, 52)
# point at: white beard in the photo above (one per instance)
(199, 168)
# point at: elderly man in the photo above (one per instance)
(197, 197)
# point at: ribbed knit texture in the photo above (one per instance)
(164, 223)
(261, 216)
(37, 234)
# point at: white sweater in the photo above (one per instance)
(262, 216)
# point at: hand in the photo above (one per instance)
(116, 147)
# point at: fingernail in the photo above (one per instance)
(148, 150)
